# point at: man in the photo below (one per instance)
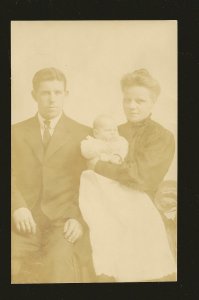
(47, 164)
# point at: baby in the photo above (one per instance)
(106, 143)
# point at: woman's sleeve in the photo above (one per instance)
(122, 148)
(148, 167)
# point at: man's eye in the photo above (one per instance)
(45, 93)
(57, 92)
(139, 101)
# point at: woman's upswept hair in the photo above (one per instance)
(48, 74)
(143, 78)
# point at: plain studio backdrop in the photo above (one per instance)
(94, 55)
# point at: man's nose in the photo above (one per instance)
(51, 98)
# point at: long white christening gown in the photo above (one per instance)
(128, 236)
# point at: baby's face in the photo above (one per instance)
(107, 131)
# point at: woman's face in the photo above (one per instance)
(137, 102)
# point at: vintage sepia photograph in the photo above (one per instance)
(94, 151)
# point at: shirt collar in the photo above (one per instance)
(140, 123)
(53, 122)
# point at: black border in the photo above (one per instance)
(187, 14)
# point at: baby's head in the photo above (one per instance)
(105, 128)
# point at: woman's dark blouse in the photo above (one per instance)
(151, 150)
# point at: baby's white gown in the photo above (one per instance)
(127, 233)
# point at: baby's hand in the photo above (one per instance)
(115, 159)
(104, 157)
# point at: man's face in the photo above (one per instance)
(50, 97)
(137, 103)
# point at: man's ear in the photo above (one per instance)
(34, 95)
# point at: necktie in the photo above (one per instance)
(46, 135)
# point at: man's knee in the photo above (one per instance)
(16, 265)
(24, 254)
(60, 263)
(62, 251)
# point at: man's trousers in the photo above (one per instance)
(44, 257)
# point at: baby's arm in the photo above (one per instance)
(89, 149)
(115, 159)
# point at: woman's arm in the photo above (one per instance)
(121, 147)
(147, 168)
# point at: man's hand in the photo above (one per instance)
(72, 230)
(24, 221)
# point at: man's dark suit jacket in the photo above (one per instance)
(51, 178)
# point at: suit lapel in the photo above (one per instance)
(34, 139)
(60, 136)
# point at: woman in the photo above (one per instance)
(127, 233)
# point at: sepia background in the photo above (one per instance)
(94, 55)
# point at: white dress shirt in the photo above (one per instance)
(53, 123)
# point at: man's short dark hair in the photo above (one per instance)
(48, 74)
(143, 78)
